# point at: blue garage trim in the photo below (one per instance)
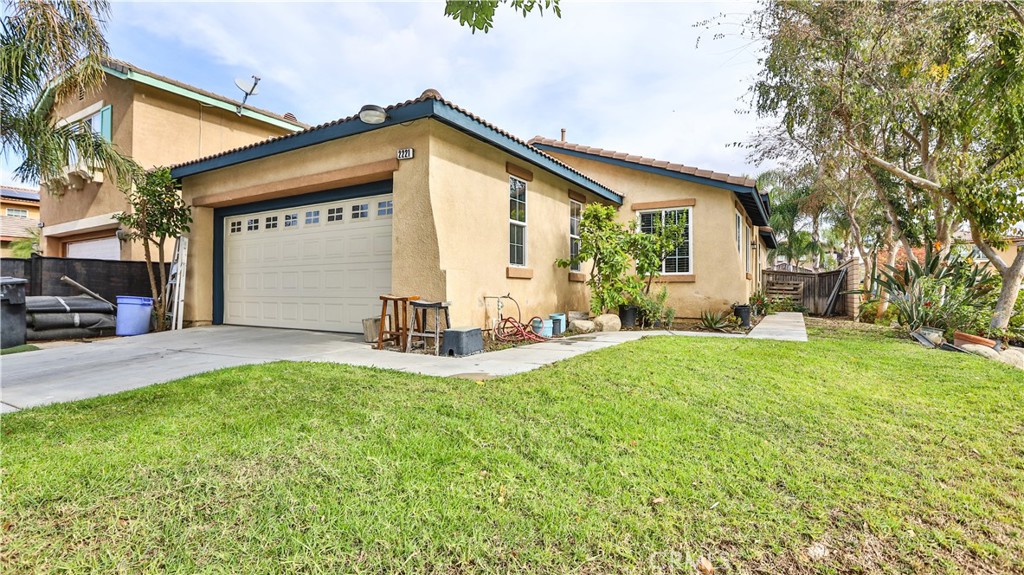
(398, 115)
(747, 195)
(360, 191)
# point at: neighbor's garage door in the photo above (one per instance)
(319, 266)
(98, 249)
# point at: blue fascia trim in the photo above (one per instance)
(735, 188)
(360, 191)
(305, 139)
(425, 109)
(472, 127)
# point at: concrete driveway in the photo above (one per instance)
(108, 366)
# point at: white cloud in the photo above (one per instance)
(624, 76)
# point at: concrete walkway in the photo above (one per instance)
(784, 326)
(103, 367)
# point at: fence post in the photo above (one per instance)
(35, 275)
(854, 281)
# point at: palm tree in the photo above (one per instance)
(50, 49)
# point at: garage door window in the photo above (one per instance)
(312, 217)
(360, 211)
(385, 208)
(253, 224)
(236, 227)
(271, 223)
(291, 220)
(335, 214)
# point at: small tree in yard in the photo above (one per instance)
(605, 243)
(157, 213)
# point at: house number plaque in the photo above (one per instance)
(405, 154)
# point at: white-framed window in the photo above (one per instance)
(252, 225)
(516, 221)
(976, 253)
(746, 245)
(739, 224)
(291, 220)
(680, 260)
(270, 223)
(312, 217)
(17, 213)
(360, 211)
(575, 214)
(335, 214)
(235, 226)
(385, 208)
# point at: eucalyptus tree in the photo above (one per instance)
(929, 93)
(49, 50)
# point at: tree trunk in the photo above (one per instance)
(161, 306)
(1012, 276)
(890, 244)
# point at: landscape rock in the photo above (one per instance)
(982, 350)
(607, 322)
(581, 326)
(1012, 357)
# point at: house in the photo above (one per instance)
(423, 197)
(723, 212)
(158, 122)
(19, 216)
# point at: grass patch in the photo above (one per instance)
(18, 349)
(638, 458)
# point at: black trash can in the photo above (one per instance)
(12, 312)
(743, 312)
(628, 315)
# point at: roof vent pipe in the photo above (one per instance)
(563, 134)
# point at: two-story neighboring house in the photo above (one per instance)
(157, 121)
(19, 216)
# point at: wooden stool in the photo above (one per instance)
(398, 330)
(419, 314)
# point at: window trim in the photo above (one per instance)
(523, 224)
(22, 213)
(689, 236)
(739, 223)
(746, 246)
(574, 238)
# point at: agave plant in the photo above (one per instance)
(945, 291)
(715, 320)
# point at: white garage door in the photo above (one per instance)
(321, 266)
(100, 249)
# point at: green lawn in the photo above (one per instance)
(638, 458)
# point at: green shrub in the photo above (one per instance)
(717, 320)
(654, 309)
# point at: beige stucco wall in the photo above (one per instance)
(719, 272)
(450, 229)
(469, 188)
(155, 128)
(415, 268)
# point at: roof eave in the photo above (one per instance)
(430, 108)
(739, 190)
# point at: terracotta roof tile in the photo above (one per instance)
(11, 227)
(672, 167)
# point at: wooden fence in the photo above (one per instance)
(107, 278)
(818, 288)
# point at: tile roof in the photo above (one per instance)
(428, 94)
(125, 67)
(665, 165)
(15, 193)
(11, 227)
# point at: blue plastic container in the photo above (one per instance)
(542, 327)
(557, 323)
(133, 315)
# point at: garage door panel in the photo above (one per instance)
(307, 272)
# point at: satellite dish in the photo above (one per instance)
(248, 87)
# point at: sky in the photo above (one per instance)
(625, 76)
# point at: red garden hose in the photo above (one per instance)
(511, 330)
